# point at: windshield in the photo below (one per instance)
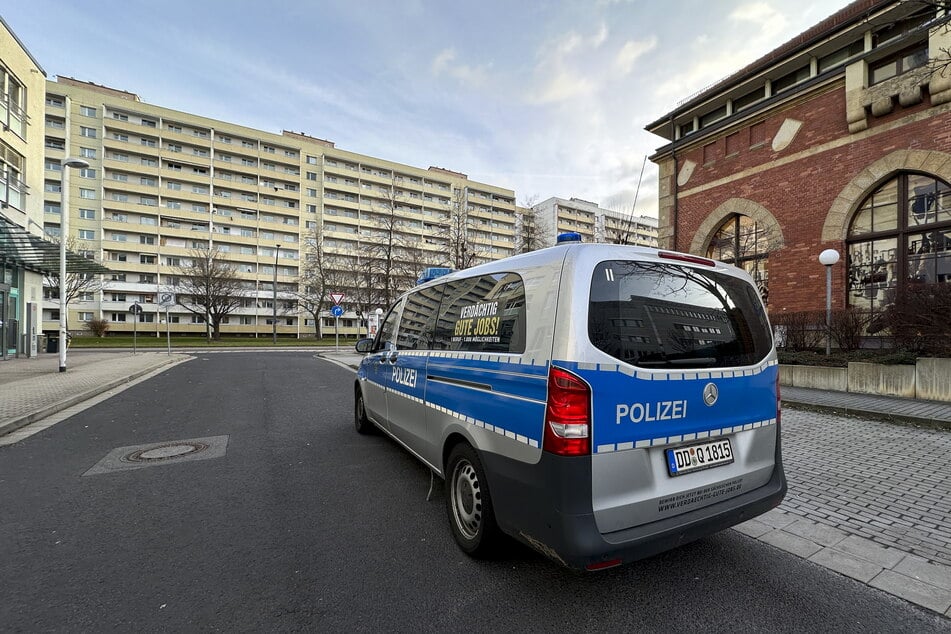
(668, 316)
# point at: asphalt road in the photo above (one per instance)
(304, 525)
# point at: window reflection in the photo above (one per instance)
(901, 232)
(743, 242)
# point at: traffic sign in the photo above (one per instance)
(166, 300)
(336, 298)
(336, 311)
(135, 309)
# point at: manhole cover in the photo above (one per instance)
(165, 452)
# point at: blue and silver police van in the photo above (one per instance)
(600, 403)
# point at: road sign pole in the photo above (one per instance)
(135, 318)
(337, 334)
(168, 334)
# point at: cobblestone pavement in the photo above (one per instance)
(868, 499)
(889, 483)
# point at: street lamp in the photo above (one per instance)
(827, 258)
(274, 320)
(68, 163)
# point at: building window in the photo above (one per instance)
(86, 111)
(839, 57)
(743, 242)
(87, 214)
(87, 132)
(87, 234)
(87, 193)
(747, 100)
(712, 117)
(87, 172)
(901, 234)
(791, 79)
(899, 63)
(87, 152)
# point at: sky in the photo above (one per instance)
(546, 98)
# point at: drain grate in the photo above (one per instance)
(160, 453)
(165, 452)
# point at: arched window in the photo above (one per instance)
(743, 242)
(900, 234)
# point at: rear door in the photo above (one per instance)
(684, 402)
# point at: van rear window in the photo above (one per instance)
(656, 315)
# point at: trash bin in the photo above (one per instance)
(52, 344)
(41, 342)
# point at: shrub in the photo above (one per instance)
(805, 330)
(920, 321)
(98, 327)
(848, 326)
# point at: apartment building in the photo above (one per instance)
(24, 256)
(559, 215)
(162, 184)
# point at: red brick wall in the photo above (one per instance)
(799, 194)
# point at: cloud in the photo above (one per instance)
(631, 51)
(445, 64)
(564, 65)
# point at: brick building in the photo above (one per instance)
(839, 138)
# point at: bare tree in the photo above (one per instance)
(526, 226)
(462, 251)
(624, 233)
(77, 284)
(393, 258)
(209, 286)
(323, 272)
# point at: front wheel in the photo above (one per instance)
(469, 504)
(360, 420)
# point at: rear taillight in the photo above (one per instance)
(567, 415)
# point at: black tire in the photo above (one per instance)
(469, 504)
(360, 420)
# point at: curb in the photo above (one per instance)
(17, 423)
(898, 419)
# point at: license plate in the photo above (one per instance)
(696, 457)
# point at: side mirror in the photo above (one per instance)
(364, 346)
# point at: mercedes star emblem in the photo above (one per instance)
(710, 394)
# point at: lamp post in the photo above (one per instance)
(274, 319)
(827, 258)
(70, 162)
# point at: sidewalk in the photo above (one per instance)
(32, 389)
(866, 499)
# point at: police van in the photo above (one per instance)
(599, 403)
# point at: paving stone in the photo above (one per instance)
(753, 528)
(777, 519)
(910, 589)
(921, 570)
(846, 564)
(791, 543)
(870, 551)
(814, 532)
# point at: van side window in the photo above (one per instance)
(386, 340)
(482, 314)
(418, 323)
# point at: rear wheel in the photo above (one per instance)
(360, 420)
(469, 504)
